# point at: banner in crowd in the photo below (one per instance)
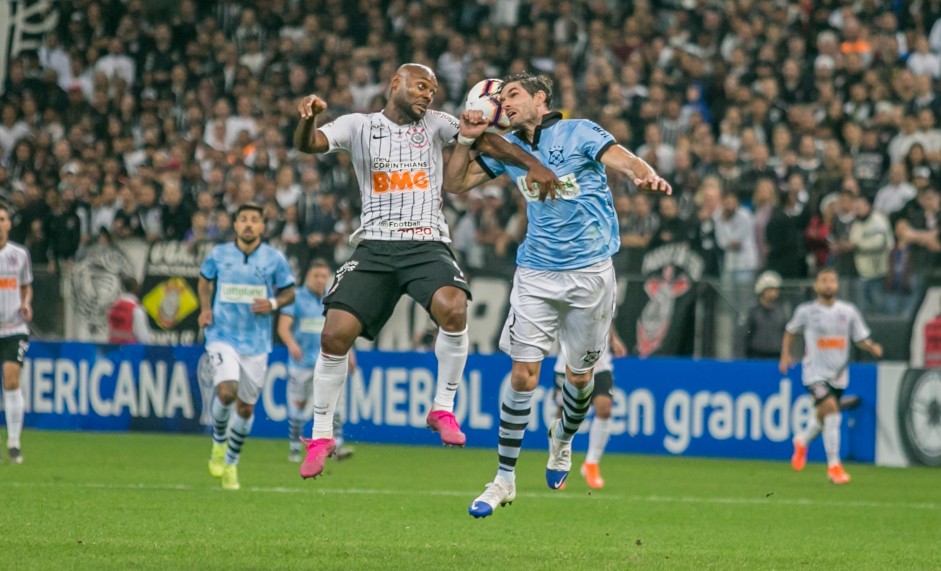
(169, 292)
(657, 315)
(22, 25)
(661, 406)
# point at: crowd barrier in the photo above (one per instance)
(677, 407)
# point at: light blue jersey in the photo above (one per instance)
(580, 228)
(239, 280)
(307, 311)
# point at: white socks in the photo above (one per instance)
(597, 439)
(811, 432)
(451, 351)
(831, 437)
(329, 375)
(13, 406)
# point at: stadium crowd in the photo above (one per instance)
(796, 134)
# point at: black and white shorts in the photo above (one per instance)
(13, 348)
(371, 282)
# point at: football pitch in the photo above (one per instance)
(146, 501)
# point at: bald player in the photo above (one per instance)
(401, 246)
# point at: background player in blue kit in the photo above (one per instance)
(240, 284)
(564, 284)
(299, 326)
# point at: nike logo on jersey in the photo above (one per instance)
(380, 136)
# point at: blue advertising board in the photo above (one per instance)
(678, 407)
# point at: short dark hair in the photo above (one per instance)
(532, 84)
(5, 207)
(317, 263)
(250, 206)
(826, 270)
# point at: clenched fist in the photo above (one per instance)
(311, 106)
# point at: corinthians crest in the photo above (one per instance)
(670, 272)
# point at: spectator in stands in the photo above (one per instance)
(817, 234)
(672, 229)
(176, 215)
(841, 249)
(127, 321)
(764, 323)
(736, 237)
(637, 231)
(896, 193)
(872, 240)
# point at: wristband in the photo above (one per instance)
(274, 303)
(466, 141)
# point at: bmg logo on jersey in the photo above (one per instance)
(399, 176)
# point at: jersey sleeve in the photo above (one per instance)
(283, 277)
(209, 269)
(593, 141)
(859, 331)
(491, 166)
(341, 131)
(798, 321)
(289, 309)
(445, 125)
(26, 274)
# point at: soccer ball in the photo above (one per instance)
(485, 97)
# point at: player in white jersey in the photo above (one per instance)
(601, 400)
(564, 284)
(401, 244)
(829, 326)
(16, 295)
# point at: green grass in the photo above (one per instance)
(142, 501)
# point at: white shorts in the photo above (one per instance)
(575, 305)
(604, 362)
(300, 384)
(247, 370)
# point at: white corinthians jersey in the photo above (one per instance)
(828, 332)
(16, 271)
(400, 170)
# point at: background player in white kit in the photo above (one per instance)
(564, 284)
(16, 295)
(240, 284)
(397, 157)
(601, 399)
(299, 326)
(828, 325)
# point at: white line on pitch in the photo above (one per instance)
(470, 494)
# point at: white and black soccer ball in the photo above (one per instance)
(485, 97)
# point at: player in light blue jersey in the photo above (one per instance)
(299, 326)
(564, 284)
(240, 284)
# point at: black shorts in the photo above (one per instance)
(371, 282)
(13, 348)
(821, 390)
(604, 382)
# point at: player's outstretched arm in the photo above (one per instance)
(643, 175)
(307, 137)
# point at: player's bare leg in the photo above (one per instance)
(340, 331)
(449, 310)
